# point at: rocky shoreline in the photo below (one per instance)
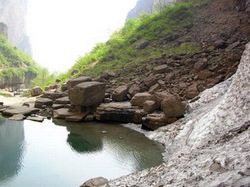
(218, 155)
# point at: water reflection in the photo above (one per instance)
(82, 144)
(11, 148)
(124, 144)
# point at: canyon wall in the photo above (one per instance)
(13, 14)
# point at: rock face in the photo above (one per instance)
(87, 94)
(142, 6)
(146, 6)
(4, 29)
(13, 14)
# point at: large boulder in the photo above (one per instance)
(43, 102)
(156, 120)
(116, 112)
(192, 91)
(173, 107)
(150, 106)
(120, 93)
(87, 94)
(73, 82)
(140, 98)
(36, 91)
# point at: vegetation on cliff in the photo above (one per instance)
(15, 64)
(139, 40)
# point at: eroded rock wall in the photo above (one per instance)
(13, 14)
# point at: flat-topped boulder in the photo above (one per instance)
(43, 102)
(17, 117)
(73, 82)
(20, 110)
(116, 112)
(36, 118)
(53, 95)
(62, 113)
(87, 94)
(63, 100)
(58, 106)
(65, 113)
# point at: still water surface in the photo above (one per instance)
(49, 155)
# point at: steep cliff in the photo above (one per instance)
(147, 6)
(13, 14)
(16, 67)
(142, 6)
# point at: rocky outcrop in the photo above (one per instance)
(147, 6)
(210, 146)
(13, 14)
(4, 29)
(142, 6)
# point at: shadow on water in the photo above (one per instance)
(124, 143)
(11, 148)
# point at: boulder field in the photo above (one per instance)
(83, 99)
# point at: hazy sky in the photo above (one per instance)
(63, 30)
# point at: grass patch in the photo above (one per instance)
(121, 50)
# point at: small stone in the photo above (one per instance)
(17, 117)
(161, 69)
(36, 118)
(96, 182)
(36, 91)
